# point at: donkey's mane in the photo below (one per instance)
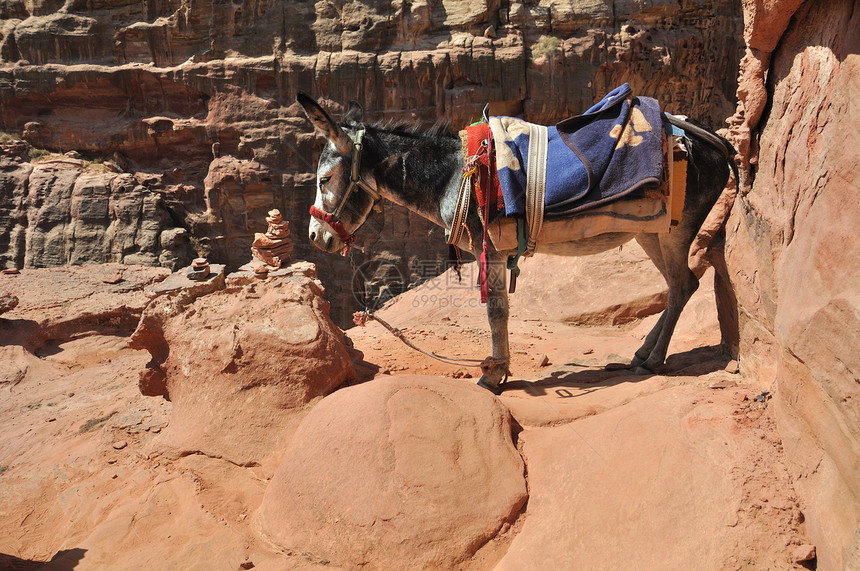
(401, 127)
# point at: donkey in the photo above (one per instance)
(364, 163)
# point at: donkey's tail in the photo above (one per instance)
(702, 133)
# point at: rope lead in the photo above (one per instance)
(361, 318)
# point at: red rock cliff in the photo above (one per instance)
(792, 248)
(195, 100)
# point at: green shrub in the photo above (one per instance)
(36, 154)
(545, 47)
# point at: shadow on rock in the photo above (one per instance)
(62, 561)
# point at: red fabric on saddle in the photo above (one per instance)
(475, 136)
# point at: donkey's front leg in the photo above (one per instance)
(495, 368)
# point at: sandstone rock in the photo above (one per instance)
(189, 289)
(239, 366)
(61, 212)
(787, 241)
(274, 247)
(198, 270)
(175, 248)
(173, 238)
(114, 279)
(59, 303)
(197, 274)
(64, 37)
(7, 302)
(401, 472)
(722, 384)
(803, 553)
(651, 482)
(732, 367)
(15, 364)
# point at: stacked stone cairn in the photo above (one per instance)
(199, 269)
(274, 247)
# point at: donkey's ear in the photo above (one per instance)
(354, 113)
(323, 123)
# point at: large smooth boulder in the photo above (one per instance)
(406, 472)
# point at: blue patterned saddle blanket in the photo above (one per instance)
(612, 151)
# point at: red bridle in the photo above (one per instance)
(355, 182)
(336, 225)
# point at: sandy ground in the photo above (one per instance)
(81, 488)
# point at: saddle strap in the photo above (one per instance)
(461, 210)
(535, 184)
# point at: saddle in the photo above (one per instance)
(612, 169)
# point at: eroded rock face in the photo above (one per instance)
(407, 471)
(790, 245)
(7, 302)
(63, 211)
(62, 303)
(239, 363)
(197, 100)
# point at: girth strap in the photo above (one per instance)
(535, 184)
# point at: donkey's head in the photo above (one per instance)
(344, 196)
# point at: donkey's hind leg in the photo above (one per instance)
(707, 174)
(669, 252)
(651, 245)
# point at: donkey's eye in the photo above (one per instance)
(324, 179)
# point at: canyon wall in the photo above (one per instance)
(182, 124)
(181, 131)
(792, 246)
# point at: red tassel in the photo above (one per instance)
(485, 293)
(489, 206)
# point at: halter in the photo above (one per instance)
(355, 182)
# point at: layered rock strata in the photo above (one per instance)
(196, 102)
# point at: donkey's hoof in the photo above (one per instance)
(496, 390)
(636, 361)
(640, 370)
